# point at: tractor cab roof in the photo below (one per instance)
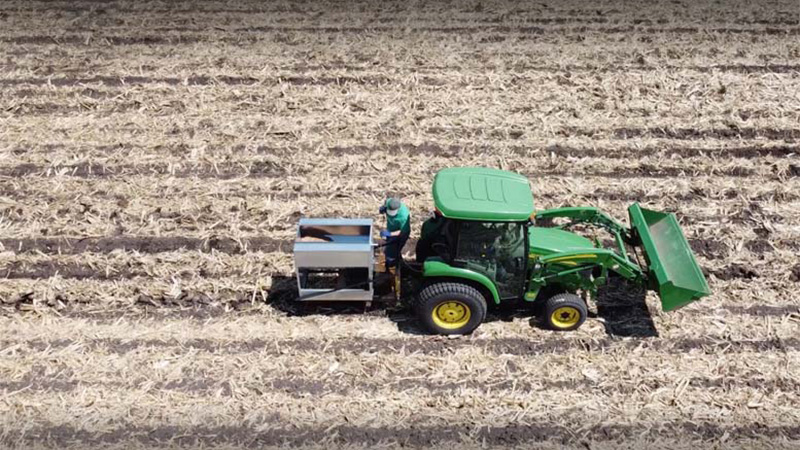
(482, 194)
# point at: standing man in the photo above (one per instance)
(398, 229)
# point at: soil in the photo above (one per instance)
(794, 273)
(735, 271)
(431, 346)
(142, 244)
(414, 436)
(709, 248)
(759, 246)
(720, 133)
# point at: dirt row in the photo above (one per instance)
(728, 196)
(434, 76)
(127, 150)
(268, 169)
(62, 435)
(219, 36)
(296, 383)
(717, 345)
(737, 200)
(731, 227)
(285, 72)
(105, 15)
(143, 244)
(113, 23)
(22, 109)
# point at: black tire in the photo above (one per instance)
(565, 312)
(450, 308)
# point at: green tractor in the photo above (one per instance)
(485, 244)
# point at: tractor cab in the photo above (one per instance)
(480, 225)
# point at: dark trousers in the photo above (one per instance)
(394, 248)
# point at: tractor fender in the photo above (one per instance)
(434, 267)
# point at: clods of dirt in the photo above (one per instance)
(709, 248)
(759, 246)
(794, 273)
(735, 271)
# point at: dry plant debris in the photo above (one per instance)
(155, 156)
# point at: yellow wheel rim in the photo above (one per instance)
(451, 314)
(565, 317)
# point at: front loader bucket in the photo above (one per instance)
(673, 270)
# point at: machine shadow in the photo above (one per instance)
(283, 296)
(621, 305)
(624, 311)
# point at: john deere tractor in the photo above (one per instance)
(486, 244)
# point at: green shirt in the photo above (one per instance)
(401, 221)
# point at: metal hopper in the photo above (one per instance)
(334, 259)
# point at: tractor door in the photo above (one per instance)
(497, 250)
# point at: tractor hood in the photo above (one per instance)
(546, 241)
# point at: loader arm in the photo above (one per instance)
(586, 214)
(592, 216)
(578, 260)
(671, 270)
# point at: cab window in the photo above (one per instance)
(497, 250)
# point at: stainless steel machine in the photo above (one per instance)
(334, 259)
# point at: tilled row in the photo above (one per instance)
(255, 33)
(715, 345)
(417, 435)
(288, 76)
(271, 169)
(284, 72)
(22, 108)
(135, 94)
(142, 244)
(737, 201)
(433, 14)
(297, 384)
(754, 150)
(361, 186)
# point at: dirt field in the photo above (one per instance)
(155, 156)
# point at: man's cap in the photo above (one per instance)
(392, 205)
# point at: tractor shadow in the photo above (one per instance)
(622, 307)
(283, 297)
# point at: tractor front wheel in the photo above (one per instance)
(451, 308)
(565, 312)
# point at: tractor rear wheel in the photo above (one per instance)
(451, 308)
(565, 312)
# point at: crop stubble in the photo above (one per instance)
(152, 176)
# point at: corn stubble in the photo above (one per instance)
(152, 177)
